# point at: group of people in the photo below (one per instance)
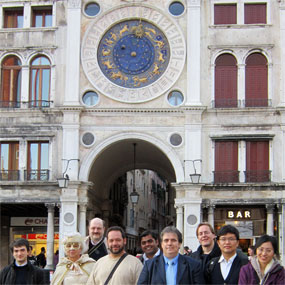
(102, 259)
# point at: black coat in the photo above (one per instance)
(188, 271)
(97, 251)
(205, 258)
(214, 274)
(35, 275)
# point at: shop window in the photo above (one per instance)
(255, 13)
(40, 82)
(256, 81)
(13, 18)
(9, 159)
(257, 161)
(225, 14)
(226, 162)
(42, 16)
(11, 82)
(226, 82)
(38, 161)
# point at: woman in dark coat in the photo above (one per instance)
(263, 268)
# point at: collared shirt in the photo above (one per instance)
(174, 262)
(226, 265)
(145, 258)
(95, 243)
(20, 265)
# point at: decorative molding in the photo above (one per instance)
(74, 4)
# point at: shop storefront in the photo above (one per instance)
(34, 229)
(250, 221)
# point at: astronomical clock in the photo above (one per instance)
(133, 54)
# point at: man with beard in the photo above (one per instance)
(208, 248)
(127, 271)
(96, 240)
(149, 245)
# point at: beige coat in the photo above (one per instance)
(68, 272)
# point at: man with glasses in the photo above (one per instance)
(149, 245)
(225, 269)
(208, 248)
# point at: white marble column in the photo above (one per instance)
(281, 230)
(270, 219)
(50, 235)
(179, 218)
(73, 52)
(82, 218)
(282, 53)
(211, 211)
(193, 52)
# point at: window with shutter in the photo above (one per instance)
(255, 13)
(225, 14)
(226, 82)
(256, 81)
(226, 162)
(257, 161)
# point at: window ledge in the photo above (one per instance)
(30, 29)
(242, 26)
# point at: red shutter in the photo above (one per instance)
(256, 81)
(225, 14)
(255, 13)
(257, 161)
(225, 81)
(226, 161)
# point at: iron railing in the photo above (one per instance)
(228, 176)
(10, 104)
(36, 174)
(9, 175)
(257, 175)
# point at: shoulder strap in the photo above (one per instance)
(115, 267)
(92, 249)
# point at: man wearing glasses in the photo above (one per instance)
(225, 269)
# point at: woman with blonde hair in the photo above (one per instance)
(76, 266)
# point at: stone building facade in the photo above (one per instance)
(199, 86)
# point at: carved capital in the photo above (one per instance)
(74, 4)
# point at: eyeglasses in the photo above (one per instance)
(227, 239)
(75, 245)
(266, 250)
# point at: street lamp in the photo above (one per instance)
(134, 196)
(195, 177)
(63, 181)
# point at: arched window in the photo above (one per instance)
(256, 81)
(11, 82)
(226, 82)
(40, 82)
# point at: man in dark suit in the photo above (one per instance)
(171, 267)
(225, 268)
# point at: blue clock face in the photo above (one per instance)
(133, 54)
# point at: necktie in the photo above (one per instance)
(170, 276)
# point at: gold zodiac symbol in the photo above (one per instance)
(115, 75)
(161, 57)
(151, 30)
(148, 34)
(109, 42)
(106, 52)
(123, 30)
(160, 44)
(108, 64)
(138, 80)
(156, 69)
(113, 36)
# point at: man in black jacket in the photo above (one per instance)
(21, 271)
(225, 269)
(97, 247)
(208, 248)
